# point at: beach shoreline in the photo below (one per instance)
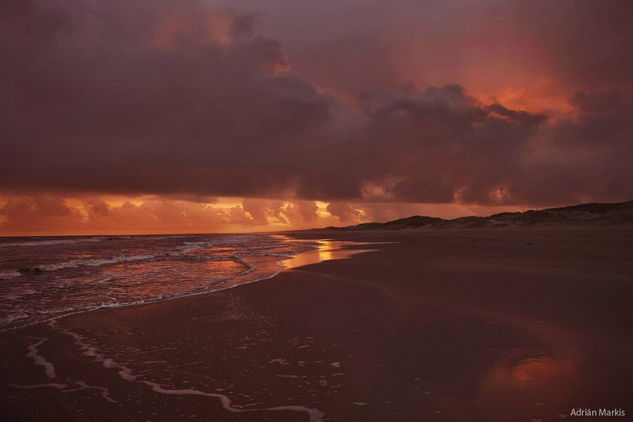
(490, 324)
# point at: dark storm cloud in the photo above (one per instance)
(174, 98)
(441, 144)
(351, 45)
(589, 155)
(127, 99)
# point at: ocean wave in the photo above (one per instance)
(96, 262)
(8, 275)
(8, 319)
(57, 295)
(99, 262)
(185, 249)
(21, 318)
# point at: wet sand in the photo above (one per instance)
(442, 325)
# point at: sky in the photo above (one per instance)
(169, 116)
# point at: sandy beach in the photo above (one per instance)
(432, 325)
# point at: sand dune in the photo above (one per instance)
(593, 214)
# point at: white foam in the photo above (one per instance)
(7, 275)
(187, 248)
(30, 386)
(10, 318)
(105, 393)
(125, 373)
(97, 262)
(58, 310)
(49, 369)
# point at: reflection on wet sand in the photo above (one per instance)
(542, 373)
(326, 250)
(540, 384)
(538, 371)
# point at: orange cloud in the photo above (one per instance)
(63, 215)
(45, 214)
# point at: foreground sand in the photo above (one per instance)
(444, 325)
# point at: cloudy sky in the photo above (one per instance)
(164, 116)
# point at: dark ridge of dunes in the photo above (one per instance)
(593, 214)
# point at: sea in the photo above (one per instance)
(45, 278)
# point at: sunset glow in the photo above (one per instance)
(50, 215)
(240, 116)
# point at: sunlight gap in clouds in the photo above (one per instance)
(46, 214)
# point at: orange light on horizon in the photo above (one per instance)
(91, 214)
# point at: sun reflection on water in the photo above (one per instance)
(326, 250)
